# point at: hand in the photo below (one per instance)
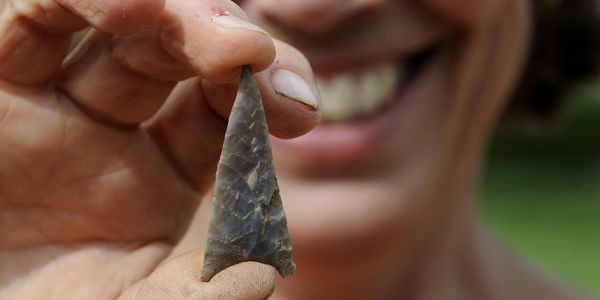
(105, 155)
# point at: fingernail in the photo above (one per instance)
(291, 85)
(229, 20)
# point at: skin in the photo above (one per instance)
(99, 183)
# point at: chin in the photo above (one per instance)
(324, 217)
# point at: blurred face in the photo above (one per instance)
(410, 90)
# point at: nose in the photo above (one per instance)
(315, 16)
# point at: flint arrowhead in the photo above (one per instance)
(248, 222)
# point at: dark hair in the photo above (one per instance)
(565, 52)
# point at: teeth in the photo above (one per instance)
(349, 96)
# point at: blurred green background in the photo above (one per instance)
(541, 191)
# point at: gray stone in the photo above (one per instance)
(248, 222)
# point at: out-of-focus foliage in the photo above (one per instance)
(541, 191)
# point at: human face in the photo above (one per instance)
(410, 91)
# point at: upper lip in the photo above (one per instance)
(336, 54)
(326, 62)
(323, 65)
(326, 67)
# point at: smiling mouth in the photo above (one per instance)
(364, 93)
(361, 109)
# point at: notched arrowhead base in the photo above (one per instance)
(248, 222)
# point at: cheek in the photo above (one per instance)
(466, 12)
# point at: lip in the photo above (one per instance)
(338, 64)
(347, 143)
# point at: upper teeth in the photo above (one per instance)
(349, 96)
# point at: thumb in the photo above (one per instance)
(180, 279)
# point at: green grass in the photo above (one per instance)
(541, 193)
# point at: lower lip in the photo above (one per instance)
(345, 143)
